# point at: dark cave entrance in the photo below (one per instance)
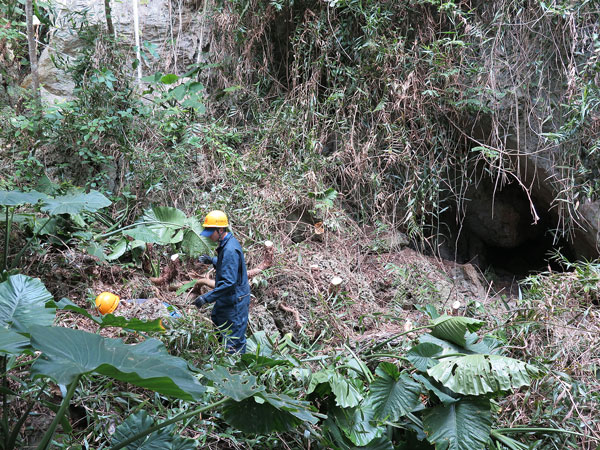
(532, 256)
(498, 233)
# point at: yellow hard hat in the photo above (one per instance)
(216, 219)
(107, 302)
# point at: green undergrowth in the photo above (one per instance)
(514, 386)
(324, 120)
(356, 396)
(445, 383)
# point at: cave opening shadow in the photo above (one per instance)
(499, 236)
(531, 257)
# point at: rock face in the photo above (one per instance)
(174, 31)
(543, 169)
(587, 240)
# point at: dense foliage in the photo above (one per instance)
(301, 118)
(456, 378)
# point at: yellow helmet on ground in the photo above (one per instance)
(216, 219)
(107, 302)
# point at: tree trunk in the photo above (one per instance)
(35, 81)
(136, 33)
(109, 23)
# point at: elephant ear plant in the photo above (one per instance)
(439, 394)
(164, 226)
(65, 356)
(72, 205)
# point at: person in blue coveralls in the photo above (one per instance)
(231, 295)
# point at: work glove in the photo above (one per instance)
(205, 259)
(200, 301)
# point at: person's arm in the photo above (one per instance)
(228, 277)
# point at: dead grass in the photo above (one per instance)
(559, 328)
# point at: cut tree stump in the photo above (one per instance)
(335, 285)
(455, 307)
(267, 260)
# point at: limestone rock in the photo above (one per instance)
(587, 242)
(173, 30)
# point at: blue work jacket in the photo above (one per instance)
(231, 294)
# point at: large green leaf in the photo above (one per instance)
(260, 344)
(12, 342)
(482, 374)
(193, 244)
(464, 425)
(68, 353)
(448, 347)
(169, 78)
(166, 216)
(23, 303)
(167, 223)
(17, 218)
(16, 198)
(135, 324)
(97, 250)
(393, 394)
(266, 413)
(145, 234)
(358, 423)
(46, 186)
(488, 345)
(257, 361)
(453, 328)
(422, 355)
(237, 386)
(122, 246)
(75, 203)
(444, 394)
(345, 392)
(260, 354)
(338, 440)
(162, 439)
(155, 234)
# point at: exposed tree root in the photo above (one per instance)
(294, 311)
(267, 261)
(197, 289)
(169, 273)
(208, 282)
